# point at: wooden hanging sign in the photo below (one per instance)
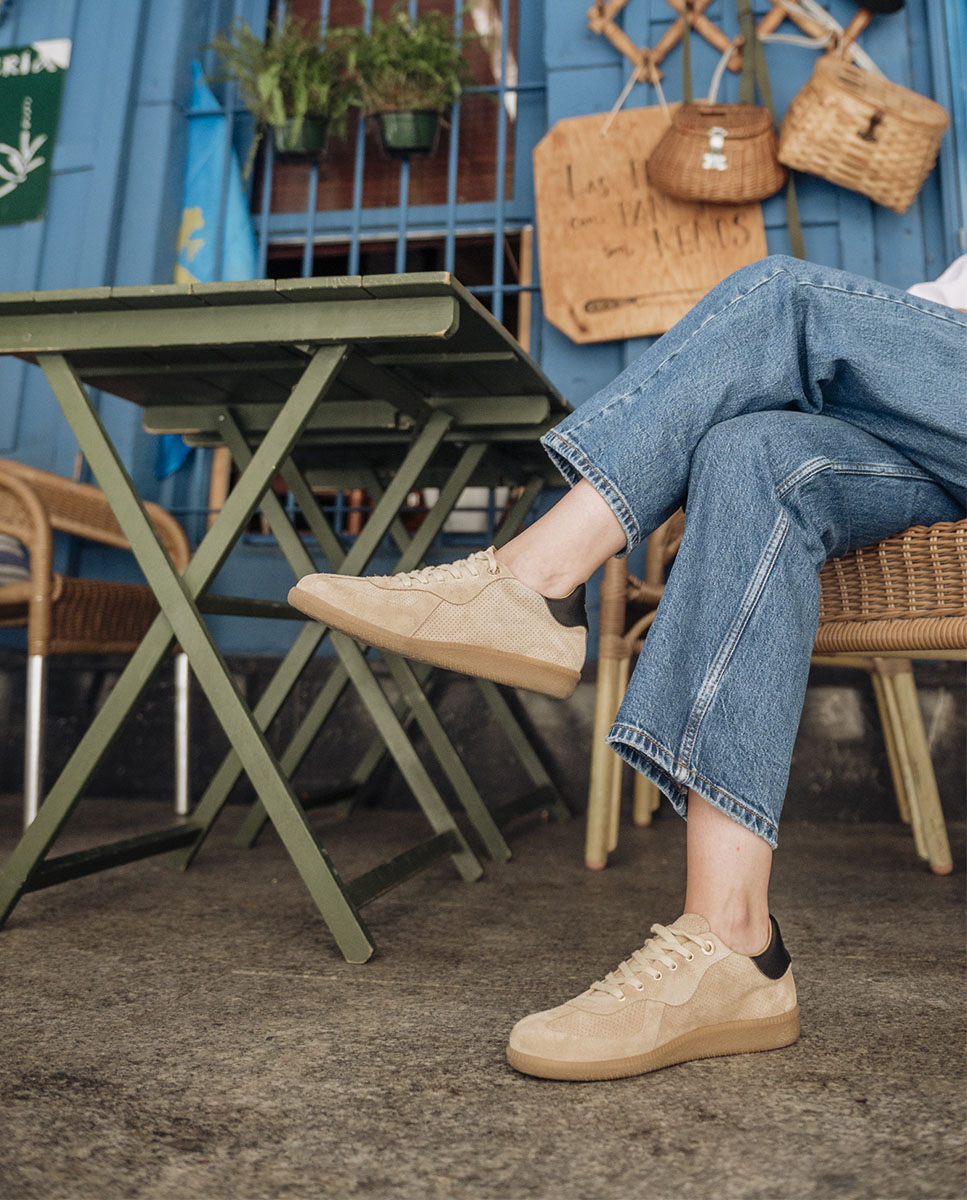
(618, 259)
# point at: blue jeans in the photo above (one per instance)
(796, 412)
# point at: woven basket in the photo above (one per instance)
(679, 164)
(862, 132)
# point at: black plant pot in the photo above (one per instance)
(294, 145)
(406, 134)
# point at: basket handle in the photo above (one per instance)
(853, 30)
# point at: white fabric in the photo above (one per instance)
(949, 289)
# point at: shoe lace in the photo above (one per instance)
(655, 953)
(469, 568)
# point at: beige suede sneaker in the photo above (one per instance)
(472, 616)
(683, 995)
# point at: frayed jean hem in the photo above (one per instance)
(673, 780)
(575, 465)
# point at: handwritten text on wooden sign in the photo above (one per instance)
(618, 259)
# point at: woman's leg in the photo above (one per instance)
(715, 700)
(727, 876)
(711, 716)
(779, 334)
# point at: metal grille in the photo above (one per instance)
(404, 225)
(406, 236)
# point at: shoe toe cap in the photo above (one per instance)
(533, 1034)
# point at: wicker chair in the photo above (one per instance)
(880, 607)
(65, 615)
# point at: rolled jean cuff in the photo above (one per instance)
(575, 465)
(674, 779)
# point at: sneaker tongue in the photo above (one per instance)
(691, 923)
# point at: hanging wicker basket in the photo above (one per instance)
(719, 153)
(862, 132)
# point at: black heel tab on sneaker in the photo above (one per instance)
(569, 610)
(774, 961)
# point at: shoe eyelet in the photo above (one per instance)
(673, 967)
(708, 947)
(658, 976)
(622, 997)
(639, 987)
(689, 957)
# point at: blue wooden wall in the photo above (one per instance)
(119, 161)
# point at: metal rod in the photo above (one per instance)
(498, 259)
(182, 745)
(357, 213)
(34, 747)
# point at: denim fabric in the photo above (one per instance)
(797, 412)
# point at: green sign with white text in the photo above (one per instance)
(31, 82)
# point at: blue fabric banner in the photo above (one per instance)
(197, 238)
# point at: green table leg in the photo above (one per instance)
(300, 561)
(27, 858)
(179, 609)
(413, 771)
(412, 693)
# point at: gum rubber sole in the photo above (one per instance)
(500, 666)
(712, 1041)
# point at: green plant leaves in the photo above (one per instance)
(403, 62)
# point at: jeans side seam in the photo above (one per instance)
(816, 466)
(698, 775)
(751, 598)
(599, 475)
(904, 300)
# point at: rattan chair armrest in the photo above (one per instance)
(82, 509)
(22, 514)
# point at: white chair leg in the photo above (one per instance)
(182, 783)
(34, 735)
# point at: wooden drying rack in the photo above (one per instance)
(602, 14)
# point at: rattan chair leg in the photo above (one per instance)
(602, 761)
(889, 739)
(647, 800)
(34, 735)
(924, 798)
(182, 746)
(617, 764)
(904, 759)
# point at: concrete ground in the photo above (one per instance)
(178, 1036)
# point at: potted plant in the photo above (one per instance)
(292, 82)
(408, 72)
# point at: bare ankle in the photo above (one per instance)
(534, 573)
(744, 933)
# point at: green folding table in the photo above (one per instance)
(386, 382)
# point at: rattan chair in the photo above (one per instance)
(880, 607)
(65, 615)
